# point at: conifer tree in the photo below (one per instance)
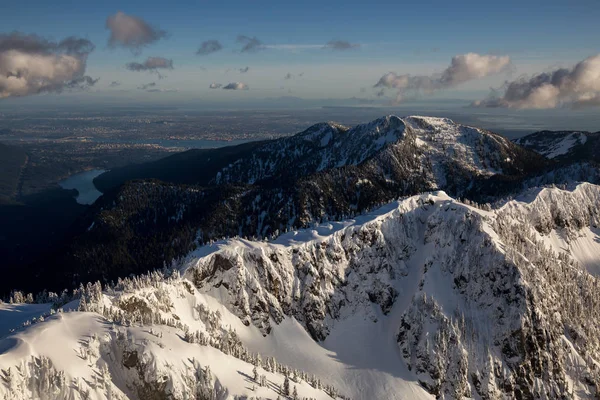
(286, 386)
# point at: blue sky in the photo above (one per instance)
(417, 38)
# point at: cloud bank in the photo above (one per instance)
(236, 86)
(131, 32)
(463, 68)
(340, 45)
(152, 64)
(30, 64)
(578, 86)
(208, 47)
(250, 44)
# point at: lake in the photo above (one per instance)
(83, 183)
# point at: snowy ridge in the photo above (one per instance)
(566, 220)
(474, 148)
(326, 173)
(425, 297)
(320, 147)
(552, 208)
(474, 274)
(554, 144)
(163, 343)
(325, 146)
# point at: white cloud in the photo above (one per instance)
(578, 86)
(131, 32)
(208, 47)
(152, 64)
(250, 44)
(30, 64)
(463, 68)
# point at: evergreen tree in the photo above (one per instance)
(286, 386)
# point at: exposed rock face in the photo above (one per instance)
(497, 313)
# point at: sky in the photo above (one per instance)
(510, 54)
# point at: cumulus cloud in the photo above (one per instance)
(131, 32)
(244, 70)
(152, 64)
(236, 86)
(250, 44)
(588, 101)
(30, 64)
(215, 85)
(578, 86)
(208, 47)
(340, 45)
(115, 84)
(147, 86)
(463, 68)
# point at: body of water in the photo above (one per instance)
(83, 182)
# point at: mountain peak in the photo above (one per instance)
(430, 120)
(322, 132)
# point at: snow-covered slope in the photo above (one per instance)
(326, 173)
(564, 145)
(441, 143)
(424, 297)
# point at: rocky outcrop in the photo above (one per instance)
(497, 313)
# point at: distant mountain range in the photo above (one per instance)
(436, 146)
(154, 213)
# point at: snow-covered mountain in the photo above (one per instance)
(564, 145)
(325, 173)
(424, 297)
(391, 144)
(439, 146)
